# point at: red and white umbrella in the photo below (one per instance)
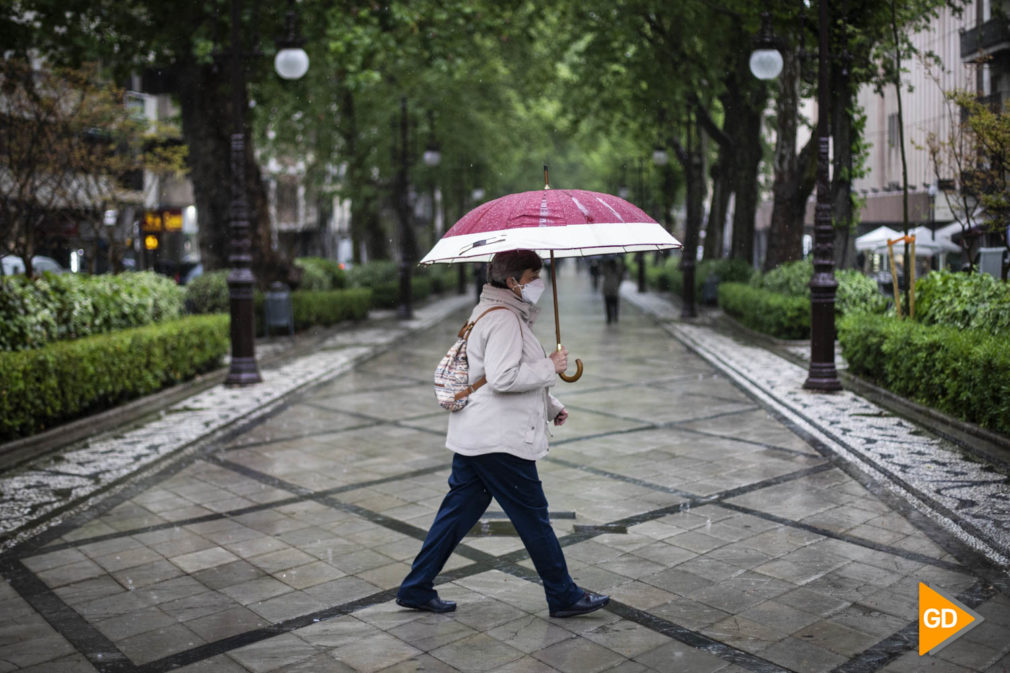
(552, 223)
(565, 222)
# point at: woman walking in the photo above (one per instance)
(497, 438)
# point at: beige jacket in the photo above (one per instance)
(510, 414)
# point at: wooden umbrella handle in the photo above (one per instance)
(570, 378)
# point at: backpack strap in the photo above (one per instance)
(464, 333)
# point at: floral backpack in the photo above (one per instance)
(452, 376)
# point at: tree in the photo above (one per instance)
(864, 38)
(67, 142)
(975, 150)
(180, 48)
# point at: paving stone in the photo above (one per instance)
(198, 605)
(159, 643)
(477, 653)
(626, 638)
(836, 637)
(133, 623)
(741, 591)
(256, 590)
(675, 656)
(576, 656)
(782, 617)
(202, 560)
(36, 645)
(287, 606)
(273, 653)
(799, 655)
(376, 652)
(147, 574)
(226, 623)
(75, 663)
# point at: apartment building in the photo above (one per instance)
(974, 54)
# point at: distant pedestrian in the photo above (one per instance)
(594, 273)
(498, 437)
(612, 274)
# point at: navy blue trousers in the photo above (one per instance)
(514, 483)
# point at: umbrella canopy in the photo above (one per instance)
(927, 242)
(551, 222)
(567, 222)
(876, 238)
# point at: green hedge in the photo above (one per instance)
(34, 312)
(964, 373)
(968, 301)
(319, 273)
(778, 302)
(383, 277)
(667, 276)
(777, 314)
(43, 387)
(208, 293)
(329, 307)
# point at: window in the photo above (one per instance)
(892, 130)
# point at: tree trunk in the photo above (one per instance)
(721, 191)
(745, 132)
(745, 204)
(207, 126)
(785, 235)
(694, 170)
(841, 171)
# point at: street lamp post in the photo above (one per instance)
(243, 369)
(822, 375)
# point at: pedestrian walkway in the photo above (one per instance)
(738, 523)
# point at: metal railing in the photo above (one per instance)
(991, 37)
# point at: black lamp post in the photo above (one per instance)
(822, 374)
(291, 63)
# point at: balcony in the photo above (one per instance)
(992, 37)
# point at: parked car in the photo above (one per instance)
(12, 264)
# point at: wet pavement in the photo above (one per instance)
(739, 522)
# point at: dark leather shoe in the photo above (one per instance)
(434, 605)
(589, 602)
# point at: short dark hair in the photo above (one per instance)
(511, 264)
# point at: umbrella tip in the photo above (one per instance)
(547, 183)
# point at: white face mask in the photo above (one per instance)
(532, 291)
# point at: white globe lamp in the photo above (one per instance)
(291, 62)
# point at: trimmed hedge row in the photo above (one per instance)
(779, 315)
(963, 373)
(65, 380)
(667, 276)
(312, 307)
(778, 302)
(319, 273)
(37, 311)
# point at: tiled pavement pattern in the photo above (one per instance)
(731, 537)
(48, 486)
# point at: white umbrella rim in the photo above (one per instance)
(577, 240)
